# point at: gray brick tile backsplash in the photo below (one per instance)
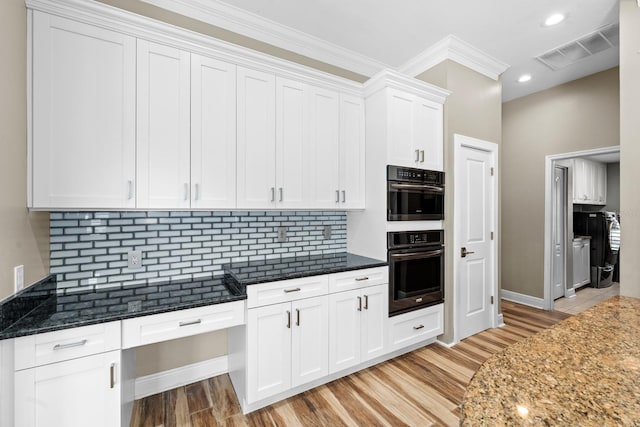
(89, 249)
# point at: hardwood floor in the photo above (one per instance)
(421, 388)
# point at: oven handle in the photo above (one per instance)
(417, 255)
(417, 187)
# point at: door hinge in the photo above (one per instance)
(491, 299)
(492, 171)
(492, 235)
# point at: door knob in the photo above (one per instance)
(464, 252)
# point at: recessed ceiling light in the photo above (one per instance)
(554, 19)
(524, 78)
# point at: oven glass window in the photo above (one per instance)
(416, 277)
(416, 203)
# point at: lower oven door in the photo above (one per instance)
(416, 278)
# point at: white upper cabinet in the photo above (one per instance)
(415, 136)
(163, 125)
(325, 143)
(352, 152)
(83, 106)
(589, 182)
(256, 139)
(213, 133)
(293, 156)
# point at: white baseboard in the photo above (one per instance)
(447, 344)
(500, 320)
(523, 299)
(167, 380)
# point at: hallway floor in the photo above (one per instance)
(585, 298)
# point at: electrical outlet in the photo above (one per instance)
(282, 234)
(134, 260)
(18, 277)
(327, 232)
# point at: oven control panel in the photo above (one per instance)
(401, 239)
(420, 176)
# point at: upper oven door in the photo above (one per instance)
(414, 202)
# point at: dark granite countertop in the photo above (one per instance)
(43, 307)
(270, 270)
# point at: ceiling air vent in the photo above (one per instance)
(570, 53)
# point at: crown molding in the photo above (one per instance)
(105, 16)
(390, 78)
(455, 49)
(251, 25)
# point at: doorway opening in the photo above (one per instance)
(581, 184)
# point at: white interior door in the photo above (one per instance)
(475, 211)
(559, 233)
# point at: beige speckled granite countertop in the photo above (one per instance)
(584, 371)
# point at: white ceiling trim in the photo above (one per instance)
(254, 26)
(455, 49)
(390, 78)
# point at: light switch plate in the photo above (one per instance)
(327, 232)
(134, 260)
(282, 234)
(18, 277)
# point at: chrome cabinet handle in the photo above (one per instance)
(193, 322)
(418, 327)
(70, 345)
(366, 302)
(273, 194)
(297, 317)
(129, 189)
(337, 196)
(280, 190)
(359, 303)
(197, 196)
(344, 196)
(417, 155)
(361, 279)
(288, 319)
(421, 156)
(186, 191)
(112, 375)
(291, 290)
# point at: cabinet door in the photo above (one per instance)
(268, 350)
(400, 143)
(77, 392)
(374, 321)
(325, 152)
(578, 270)
(428, 138)
(293, 157)
(213, 133)
(83, 106)
(352, 153)
(580, 181)
(585, 264)
(256, 139)
(345, 309)
(601, 184)
(309, 340)
(163, 155)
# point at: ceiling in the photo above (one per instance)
(385, 33)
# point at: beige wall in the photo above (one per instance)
(473, 109)
(629, 147)
(24, 237)
(578, 115)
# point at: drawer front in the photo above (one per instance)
(286, 290)
(410, 328)
(357, 279)
(183, 323)
(66, 344)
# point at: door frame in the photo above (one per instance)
(551, 161)
(460, 142)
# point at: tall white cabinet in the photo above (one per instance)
(84, 115)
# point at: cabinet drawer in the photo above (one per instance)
(177, 324)
(357, 279)
(66, 344)
(416, 326)
(286, 290)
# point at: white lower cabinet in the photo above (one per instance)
(357, 326)
(286, 346)
(581, 262)
(416, 326)
(77, 392)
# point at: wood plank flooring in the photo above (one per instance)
(422, 388)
